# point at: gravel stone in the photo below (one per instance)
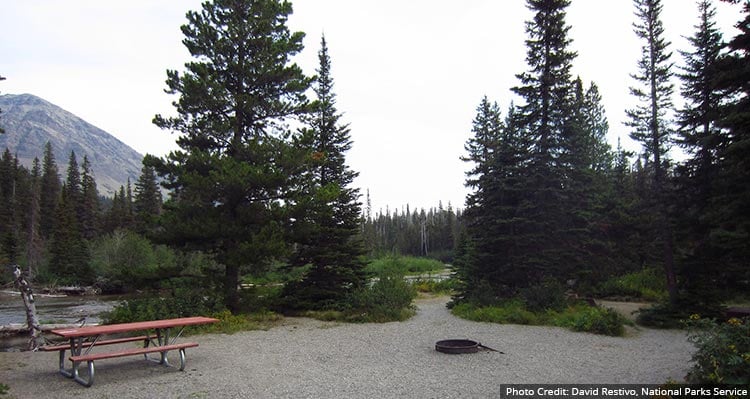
(304, 358)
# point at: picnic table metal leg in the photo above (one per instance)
(77, 378)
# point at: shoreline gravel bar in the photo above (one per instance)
(304, 358)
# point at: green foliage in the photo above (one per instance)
(723, 355)
(183, 302)
(647, 284)
(549, 295)
(404, 265)
(446, 286)
(4, 389)
(510, 312)
(662, 315)
(230, 323)
(595, 320)
(576, 317)
(125, 261)
(388, 299)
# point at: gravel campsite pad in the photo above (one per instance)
(314, 359)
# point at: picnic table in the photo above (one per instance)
(156, 336)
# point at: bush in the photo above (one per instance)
(549, 295)
(436, 287)
(647, 284)
(388, 299)
(510, 312)
(124, 261)
(723, 355)
(581, 318)
(404, 265)
(182, 303)
(595, 320)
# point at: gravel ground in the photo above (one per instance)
(306, 358)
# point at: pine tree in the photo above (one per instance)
(1, 111)
(50, 193)
(34, 244)
(230, 177)
(729, 214)
(148, 200)
(328, 239)
(701, 137)
(69, 256)
(650, 124)
(547, 91)
(89, 207)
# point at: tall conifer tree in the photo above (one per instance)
(49, 194)
(328, 227)
(650, 123)
(229, 178)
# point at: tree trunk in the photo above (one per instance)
(32, 321)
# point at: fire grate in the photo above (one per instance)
(456, 346)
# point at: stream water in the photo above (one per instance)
(51, 310)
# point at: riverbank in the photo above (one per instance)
(311, 358)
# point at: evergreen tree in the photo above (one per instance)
(729, 209)
(700, 135)
(649, 120)
(49, 194)
(34, 244)
(547, 91)
(229, 178)
(148, 200)
(1, 111)
(89, 207)
(328, 239)
(8, 196)
(69, 257)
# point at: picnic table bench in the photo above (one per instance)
(82, 340)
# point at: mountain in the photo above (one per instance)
(30, 122)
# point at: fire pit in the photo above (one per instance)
(455, 346)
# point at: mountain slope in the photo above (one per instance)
(30, 122)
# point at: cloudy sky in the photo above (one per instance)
(408, 74)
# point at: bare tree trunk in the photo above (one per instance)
(28, 300)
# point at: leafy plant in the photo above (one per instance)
(723, 355)
(577, 317)
(388, 299)
(549, 295)
(647, 284)
(404, 265)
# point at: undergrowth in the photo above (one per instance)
(577, 317)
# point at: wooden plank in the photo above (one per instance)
(126, 327)
(130, 352)
(50, 348)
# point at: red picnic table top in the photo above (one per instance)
(127, 327)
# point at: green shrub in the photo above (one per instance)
(388, 299)
(403, 265)
(549, 295)
(230, 323)
(124, 261)
(510, 312)
(577, 318)
(662, 315)
(182, 303)
(723, 355)
(595, 320)
(647, 284)
(435, 287)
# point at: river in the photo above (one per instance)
(52, 310)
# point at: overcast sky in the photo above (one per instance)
(408, 74)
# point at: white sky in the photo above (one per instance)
(408, 74)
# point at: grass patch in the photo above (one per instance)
(577, 317)
(404, 265)
(647, 284)
(441, 287)
(230, 323)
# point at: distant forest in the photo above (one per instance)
(552, 205)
